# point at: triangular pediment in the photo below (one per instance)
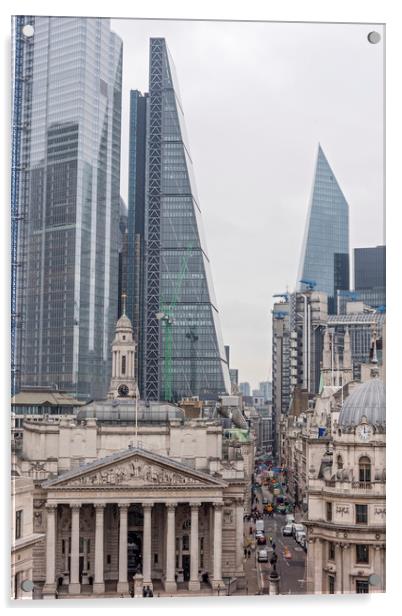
(134, 468)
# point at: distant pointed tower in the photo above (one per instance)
(123, 383)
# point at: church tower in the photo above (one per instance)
(123, 383)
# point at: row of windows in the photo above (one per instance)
(361, 513)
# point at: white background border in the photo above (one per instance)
(374, 11)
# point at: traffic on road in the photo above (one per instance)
(277, 533)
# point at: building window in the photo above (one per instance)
(331, 584)
(339, 463)
(328, 512)
(108, 559)
(155, 559)
(361, 514)
(364, 470)
(18, 524)
(331, 550)
(186, 543)
(362, 553)
(123, 364)
(362, 586)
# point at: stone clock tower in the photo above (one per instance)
(123, 383)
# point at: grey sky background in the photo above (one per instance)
(257, 99)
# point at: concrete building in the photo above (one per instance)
(346, 498)
(132, 494)
(280, 368)
(23, 537)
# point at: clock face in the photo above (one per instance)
(364, 432)
(123, 390)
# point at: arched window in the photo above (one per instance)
(364, 469)
(339, 463)
(186, 543)
(123, 364)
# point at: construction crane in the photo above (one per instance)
(310, 284)
(165, 315)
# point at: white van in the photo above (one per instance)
(290, 518)
(259, 525)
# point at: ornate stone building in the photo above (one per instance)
(133, 493)
(346, 498)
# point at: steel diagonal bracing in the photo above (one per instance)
(154, 205)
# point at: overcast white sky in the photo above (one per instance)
(257, 98)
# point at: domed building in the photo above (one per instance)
(346, 498)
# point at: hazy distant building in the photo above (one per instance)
(66, 165)
(266, 390)
(245, 389)
(324, 263)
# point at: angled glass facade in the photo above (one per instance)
(325, 252)
(68, 251)
(181, 351)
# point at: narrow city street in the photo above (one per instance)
(292, 570)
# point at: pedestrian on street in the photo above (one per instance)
(245, 552)
(251, 530)
(248, 553)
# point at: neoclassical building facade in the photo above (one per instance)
(131, 494)
(346, 498)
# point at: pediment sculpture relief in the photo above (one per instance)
(134, 473)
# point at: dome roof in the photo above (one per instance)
(124, 323)
(368, 399)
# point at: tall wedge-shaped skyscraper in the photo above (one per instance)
(324, 262)
(173, 305)
(65, 201)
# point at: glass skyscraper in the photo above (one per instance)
(68, 171)
(172, 301)
(324, 263)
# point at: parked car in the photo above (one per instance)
(262, 556)
(299, 536)
(261, 539)
(287, 530)
(290, 518)
(265, 501)
(303, 543)
(297, 527)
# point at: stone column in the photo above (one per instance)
(239, 537)
(49, 588)
(217, 582)
(377, 569)
(146, 545)
(122, 585)
(346, 566)
(75, 587)
(170, 583)
(99, 582)
(85, 565)
(318, 567)
(194, 583)
(338, 565)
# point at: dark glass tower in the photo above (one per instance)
(181, 352)
(68, 210)
(369, 267)
(324, 262)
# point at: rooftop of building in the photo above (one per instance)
(366, 400)
(44, 397)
